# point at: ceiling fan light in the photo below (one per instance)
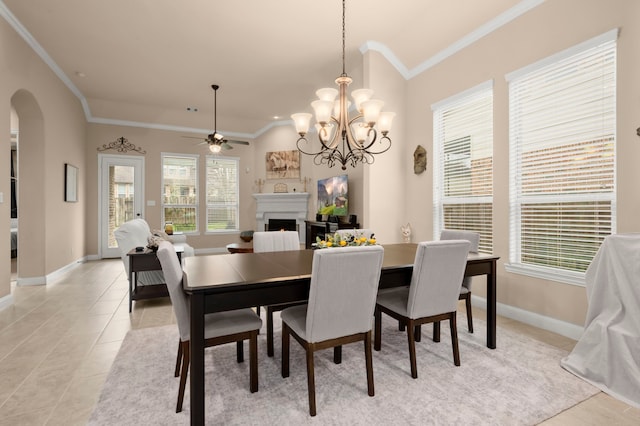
(215, 148)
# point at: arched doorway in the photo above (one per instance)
(31, 194)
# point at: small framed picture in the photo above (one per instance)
(70, 183)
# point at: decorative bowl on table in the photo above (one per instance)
(246, 236)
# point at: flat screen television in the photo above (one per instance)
(333, 196)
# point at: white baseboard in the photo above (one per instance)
(52, 276)
(546, 323)
(6, 301)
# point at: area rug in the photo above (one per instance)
(519, 383)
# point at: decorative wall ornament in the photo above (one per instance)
(121, 144)
(419, 160)
(260, 183)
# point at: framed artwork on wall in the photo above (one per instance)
(283, 164)
(70, 183)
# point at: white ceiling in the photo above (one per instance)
(147, 61)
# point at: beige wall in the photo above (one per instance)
(52, 129)
(549, 28)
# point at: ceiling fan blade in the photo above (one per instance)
(236, 142)
(226, 146)
(195, 137)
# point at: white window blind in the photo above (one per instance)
(562, 122)
(180, 191)
(463, 164)
(222, 194)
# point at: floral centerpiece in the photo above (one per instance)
(345, 240)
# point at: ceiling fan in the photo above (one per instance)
(217, 142)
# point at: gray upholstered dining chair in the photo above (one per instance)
(268, 241)
(432, 295)
(342, 295)
(264, 241)
(465, 290)
(220, 328)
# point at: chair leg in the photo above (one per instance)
(369, 361)
(417, 333)
(311, 382)
(240, 351)
(469, 315)
(253, 362)
(377, 339)
(337, 354)
(454, 339)
(183, 375)
(412, 349)
(269, 331)
(400, 326)
(285, 350)
(436, 331)
(178, 360)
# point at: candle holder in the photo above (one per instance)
(305, 181)
(260, 183)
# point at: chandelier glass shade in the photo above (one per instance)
(343, 139)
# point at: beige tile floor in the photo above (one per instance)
(59, 340)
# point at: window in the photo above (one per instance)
(180, 191)
(562, 160)
(463, 163)
(222, 194)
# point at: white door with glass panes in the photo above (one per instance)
(121, 187)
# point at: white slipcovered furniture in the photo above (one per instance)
(136, 233)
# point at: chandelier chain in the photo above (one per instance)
(344, 72)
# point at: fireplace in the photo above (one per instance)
(281, 225)
(291, 207)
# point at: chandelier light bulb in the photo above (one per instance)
(302, 121)
(327, 94)
(371, 111)
(323, 110)
(384, 121)
(361, 95)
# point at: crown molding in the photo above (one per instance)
(500, 20)
(504, 18)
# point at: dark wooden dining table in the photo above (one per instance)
(224, 282)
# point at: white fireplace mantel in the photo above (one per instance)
(285, 205)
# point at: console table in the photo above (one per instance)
(146, 260)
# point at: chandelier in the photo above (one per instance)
(343, 139)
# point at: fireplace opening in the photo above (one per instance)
(282, 225)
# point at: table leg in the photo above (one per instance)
(130, 286)
(197, 359)
(491, 307)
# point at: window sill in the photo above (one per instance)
(566, 277)
(223, 232)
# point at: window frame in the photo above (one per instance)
(517, 199)
(196, 206)
(235, 230)
(440, 200)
